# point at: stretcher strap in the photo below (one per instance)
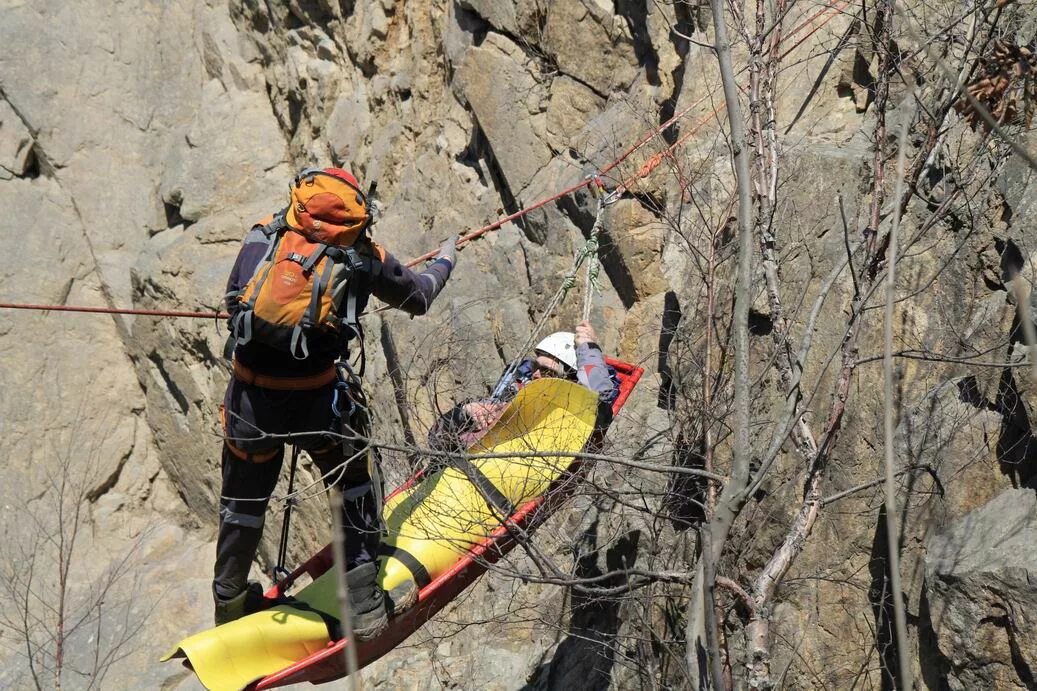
(493, 496)
(416, 568)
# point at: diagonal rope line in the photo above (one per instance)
(832, 9)
(589, 251)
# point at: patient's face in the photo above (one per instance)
(547, 366)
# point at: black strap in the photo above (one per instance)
(311, 261)
(416, 568)
(320, 284)
(277, 225)
(351, 290)
(493, 496)
(282, 549)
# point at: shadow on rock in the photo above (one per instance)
(584, 660)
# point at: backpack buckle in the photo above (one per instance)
(355, 260)
(306, 174)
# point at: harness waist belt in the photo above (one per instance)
(314, 381)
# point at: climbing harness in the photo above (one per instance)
(349, 405)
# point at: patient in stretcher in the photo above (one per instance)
(575, 356)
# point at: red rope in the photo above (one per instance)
(113, 310)
(653, 162)
(646, 169)
(499, 222)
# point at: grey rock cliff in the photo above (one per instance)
(140, 140)
(981, 578)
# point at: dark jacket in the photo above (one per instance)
(392, 283)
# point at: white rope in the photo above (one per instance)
(593, 264)
(589, 251)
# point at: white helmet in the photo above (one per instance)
(560, 345)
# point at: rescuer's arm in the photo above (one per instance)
(413, 292)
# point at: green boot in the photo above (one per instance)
(248, 601)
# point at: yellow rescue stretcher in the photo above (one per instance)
(436, 528)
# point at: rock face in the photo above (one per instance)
(980, 584)
(491, 76)
(16, 156)
(138, 142)
(575, 30)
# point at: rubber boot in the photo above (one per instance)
(248, 601)
(402, 597)
(366, 602)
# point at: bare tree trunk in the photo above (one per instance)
(707, 376)
(716, 665)
(892, 515)
(695, 627)
(732, 497)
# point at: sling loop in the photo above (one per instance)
(282, 551)
(589, 250)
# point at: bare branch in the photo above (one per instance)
(892, 522)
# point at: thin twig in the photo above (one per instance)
(875, 483)
(338, 546)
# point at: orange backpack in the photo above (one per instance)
(314, 275)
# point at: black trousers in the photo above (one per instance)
(250, 414)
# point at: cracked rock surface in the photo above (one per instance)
(139, 141)
(981, 574)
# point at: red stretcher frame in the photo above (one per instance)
(328, 664)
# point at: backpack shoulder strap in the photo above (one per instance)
(376, 253)
(359, 281)
(269, 232)
(276, 225)
(362, 263)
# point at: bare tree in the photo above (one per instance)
(68, 615)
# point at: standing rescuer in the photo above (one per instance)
(300, 282)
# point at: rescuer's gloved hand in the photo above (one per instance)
(449, 250)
